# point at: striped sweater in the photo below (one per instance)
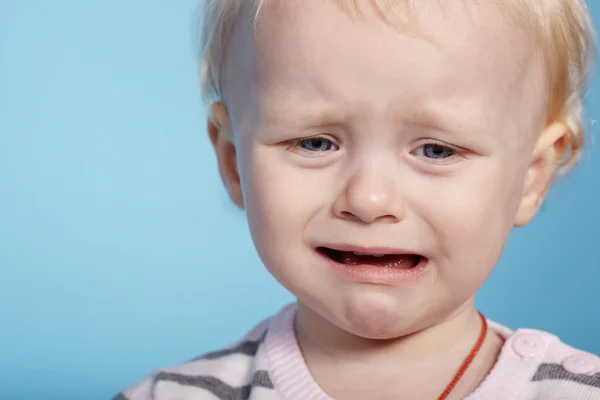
(268, 365)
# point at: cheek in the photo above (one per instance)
(473, 221)
(279, 203)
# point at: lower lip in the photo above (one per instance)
(374, 275)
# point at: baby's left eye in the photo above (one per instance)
(435, 151)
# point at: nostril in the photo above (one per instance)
(348, 215)
(381, 218)
(388, 218)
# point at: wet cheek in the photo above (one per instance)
(279, 203)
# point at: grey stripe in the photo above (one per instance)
(262, 379)
(120, 396)
(556, 372)
(248, 348)
(216, 386)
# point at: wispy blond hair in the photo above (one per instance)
(564, 27)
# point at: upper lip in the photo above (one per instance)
(373, 250)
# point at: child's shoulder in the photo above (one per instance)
(230, 373)
(535, 364)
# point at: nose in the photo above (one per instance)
(370, 196)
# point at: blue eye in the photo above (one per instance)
(315, 144)
(435, 151)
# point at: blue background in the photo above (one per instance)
(119, 250)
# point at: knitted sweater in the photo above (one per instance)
(268, 365)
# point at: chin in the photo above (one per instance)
(376, 316)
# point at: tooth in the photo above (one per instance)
(366, 254)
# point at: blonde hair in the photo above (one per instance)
(564, 26)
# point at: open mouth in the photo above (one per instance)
(403, 261)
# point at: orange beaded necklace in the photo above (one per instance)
(465, 365)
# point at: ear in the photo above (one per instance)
(221, 136)
(548, 152)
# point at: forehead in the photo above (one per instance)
(324, 49)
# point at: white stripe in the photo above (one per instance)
(166, 390)
(261, 393)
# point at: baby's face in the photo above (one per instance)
(351, 132)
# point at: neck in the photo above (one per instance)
(457, 329)
(420, 363)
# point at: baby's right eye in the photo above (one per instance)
(313, 144)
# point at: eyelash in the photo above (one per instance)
(295, 143)
(454, 152)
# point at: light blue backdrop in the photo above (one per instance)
(119, 251)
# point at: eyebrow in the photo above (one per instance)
(312, 115)
(436, 118)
